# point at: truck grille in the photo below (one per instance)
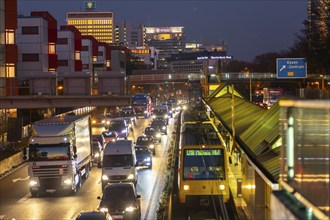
(50, 183)
(53, 170)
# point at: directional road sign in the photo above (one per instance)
(291, 68)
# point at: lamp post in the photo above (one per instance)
(247, 72)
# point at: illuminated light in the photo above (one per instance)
(129, 209)
(250, 186)
(97, 155)
(170, 76)
(186, 187)
(222, 187)
(151, 146)
(103, 209)
(158, 135)
(130, 177)
(203, 146)
(33, 183)
(65, 139)
(104, 177)
(67, 181)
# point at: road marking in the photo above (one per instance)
(24, 198)
(2, 216)
(20, 179)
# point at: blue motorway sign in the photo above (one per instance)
(291, 68)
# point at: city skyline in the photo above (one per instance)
(249, 28)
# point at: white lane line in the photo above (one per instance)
(24, 198)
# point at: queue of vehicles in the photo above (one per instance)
(62, 151)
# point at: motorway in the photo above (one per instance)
(16, 201)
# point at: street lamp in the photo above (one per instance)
(247, 72)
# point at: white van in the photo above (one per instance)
(119, 163)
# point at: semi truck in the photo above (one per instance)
(59, 154)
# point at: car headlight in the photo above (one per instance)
(165, 116)
(105, 177)
(97, 155)
(163, 127)
(145, 112)
(131, 176)
(147, 159)
(129, 209)
(67, 181)
(123, 131)
(154, 116)
(103, 209)
(151, 146)
(184, 107)
(158, 135)
(33, 183)
(93, 121)
(108, 122)
(103, 121)
(171, 111)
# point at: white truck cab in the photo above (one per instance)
(119, 163)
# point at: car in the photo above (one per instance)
(97, 153)
(119, 125)
(110, 136)
(143, 156)
(153, 132)
(99, 138)
(129, 115)
(93, 215)
(147, 141)
(121, 200)
(98, 120)
(160, 124)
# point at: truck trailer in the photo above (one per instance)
(59, 154)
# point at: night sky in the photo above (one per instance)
(248, 27)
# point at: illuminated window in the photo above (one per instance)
(52, 70)
(10, 70)
(51, 48)
(89, 22)
(108, 63)
(77, 55)
(94, 58)
(10, 36)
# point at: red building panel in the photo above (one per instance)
(52, 61)
(11, 53)
(77, 65)
(11, 14)
(11, 86)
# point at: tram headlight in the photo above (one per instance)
(222, 187)
(186, 187)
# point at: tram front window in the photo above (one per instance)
(203, 164)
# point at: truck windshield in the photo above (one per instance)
(49, 152)
(118, 160)
(139, 101)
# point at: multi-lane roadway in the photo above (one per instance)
(16, 201)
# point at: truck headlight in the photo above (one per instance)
(67, 181)
(33, 183)
(129, 209)
(151, 146)
(97, 155)
(131, 176)
(105, 177)
(103, 209)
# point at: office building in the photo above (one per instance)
(167, 40)
(123, 30)
(91, 23)
(36, 40)
(8, 47)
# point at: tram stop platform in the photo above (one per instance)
(235, 183)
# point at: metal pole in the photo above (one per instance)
(233, 113)
(250, 88)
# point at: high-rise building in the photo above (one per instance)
(96, 24)
(137, 36)
(123, 30)
(167, 40)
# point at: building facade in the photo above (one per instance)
(36, 41)
(167, 40)
(123, 33)
(96, 24)
(68, 49)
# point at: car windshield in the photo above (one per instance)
(115, 195)
(118, 160)
(141, 150)
(116, 125)
(109, 134)
(143, 140)
(157, 123)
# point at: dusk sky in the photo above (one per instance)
(248, 27)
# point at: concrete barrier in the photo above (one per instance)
(11, 162)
